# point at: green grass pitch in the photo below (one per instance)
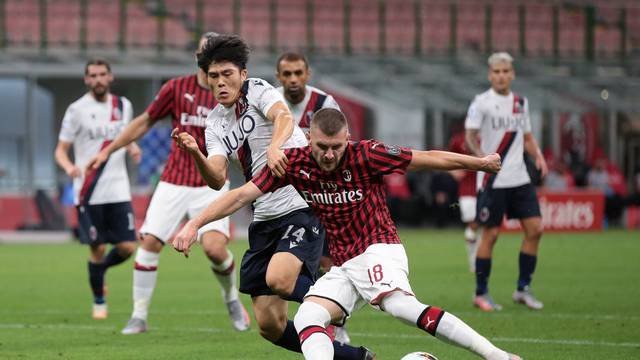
(589, 283)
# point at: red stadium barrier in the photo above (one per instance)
(571, 211)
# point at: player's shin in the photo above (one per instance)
(145, 275)
(311, 321)
(226, 275)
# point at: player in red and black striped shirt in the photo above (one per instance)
(181, 192)
(343, 184)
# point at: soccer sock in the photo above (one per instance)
(113, 258)
(290, 341)
(311, 321)
(442, 325)
(303, 283)
(145, 274)
(96, 280)
(483, 270)
(226, 275)
(527, 267)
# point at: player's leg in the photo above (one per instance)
(121, 233)
(471, 231)
(441, 324)
(341, 334)
(96, 280)
(491, 205)
(167, 208)
(524, 206)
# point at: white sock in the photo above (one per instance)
(226, 275)
(449, 329)
(311, 322)
(145, 274)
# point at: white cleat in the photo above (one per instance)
(341, 335)
(134, 326)
(239, 316)
(526, 297)
(514, 357)
(100, 311)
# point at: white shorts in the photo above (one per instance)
(467, 208)
(367, 278)
(171, 203)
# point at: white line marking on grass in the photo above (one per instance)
(366, 335)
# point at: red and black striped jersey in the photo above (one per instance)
(188, 103)
(351, 200)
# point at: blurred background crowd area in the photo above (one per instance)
(404, 71)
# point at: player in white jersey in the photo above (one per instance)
(252, 124)
(293, 72)
(498, 121)
(102, 196)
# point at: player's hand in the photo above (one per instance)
(541, 165)
(185, 141)
(492, 163)
(185, 238)
(73, 172)
(97, 160)
(277, 161)
(136, 153)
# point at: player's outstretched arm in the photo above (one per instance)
(282, 131)
(224, 206)
(213, 169)
(136, 128)
(532, 148)
(445, 160)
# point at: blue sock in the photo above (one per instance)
(113, 258)
(527, 267)
(303, 283)
(96, 280)
(346, 352)
(483, 270)
(289, 339)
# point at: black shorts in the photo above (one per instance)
(519, 202)
(299, 233)
(106, 223)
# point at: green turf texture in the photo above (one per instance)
(588, 282)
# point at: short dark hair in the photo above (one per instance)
(221, 48)
(292, 56)
(204, 36)
(96, 61)
(330, 121)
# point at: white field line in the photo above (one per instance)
(70, 327)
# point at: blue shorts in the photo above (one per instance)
(106, 223)
(519, 202)
(299, 233)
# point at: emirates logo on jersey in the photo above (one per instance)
(332, 198)
(199, 119)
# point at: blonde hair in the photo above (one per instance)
(499, 57)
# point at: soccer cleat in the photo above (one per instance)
(134, 326)
(100, 311)
(239, 315)
(514, 357)
(367, 354)
(486, 303)
(341, 335)
(526, 297)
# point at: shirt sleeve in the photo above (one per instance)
(213, 142)
(69, 128)
(474, 116)
(267, 182)
(386, 159)
(330, 103)
(527, 117)
(162, 104)
(265, 95)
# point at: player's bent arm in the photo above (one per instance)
(472, 140)
(61, 155)
(282, 120)
(224, 206)
(445, 160)
(136, 128)
(213, 169)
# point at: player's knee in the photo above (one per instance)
(271, 325)
(310, 313)
(281, 283)
(151, 243)
(126, 249)
(215, 247)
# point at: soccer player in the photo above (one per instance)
(102, 196)
(293, 72)
(251, 124)
(343, 183)
(181, 192)
(467, 200)
(498, 121)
